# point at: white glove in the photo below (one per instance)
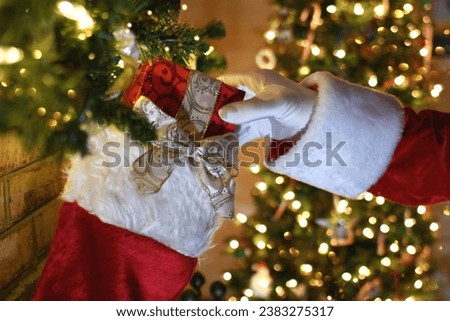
(281, 108)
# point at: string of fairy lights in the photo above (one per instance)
(261, 283)
(390, 21)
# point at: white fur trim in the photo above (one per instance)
(369, 123)
(179, 215)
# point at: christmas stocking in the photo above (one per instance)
(135, 216)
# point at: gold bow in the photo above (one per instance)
(213, 159)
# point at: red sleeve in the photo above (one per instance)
(419, 172)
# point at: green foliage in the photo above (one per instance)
(58, 86)
(294, 238)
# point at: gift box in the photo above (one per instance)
(189, 96)
(182, 105)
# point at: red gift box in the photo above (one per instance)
(187, 95)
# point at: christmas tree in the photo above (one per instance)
(65, 63)
(307, 244)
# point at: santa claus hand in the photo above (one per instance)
(280, 108)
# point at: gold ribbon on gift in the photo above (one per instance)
(214, 159)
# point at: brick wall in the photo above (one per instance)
(29, 186)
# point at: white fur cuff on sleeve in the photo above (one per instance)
(349, 140)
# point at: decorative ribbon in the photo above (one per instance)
(213, 159)
(315, 22)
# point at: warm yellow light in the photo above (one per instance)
(372, 220)
(196, 37)
(394, 29)
(386, 261)
(408, 8)
(323, 248)
(279, 180)
(373, 81)
(244, 299)
(270, 35)
(261, 186)
(434, 227)
(364, 271)
(37, 54)
(399, 80)
(261, 245)
(234, 244)
(446, 212)
(209, 51)
(340, 53)
(423, 52)
(384, 228)
(413, 34)
(77, 13)
(315, 50)
(368, 196)
(341, 206)
(184, 7)
(304, 70)
(346, 276)
(280, 291)
(394, 247)
(418, 284)
(296, 205)
(398, 14)
(418, 270)
(380, 200)
(242, 218)
(289, 196)
(255, 169)
(306, 268)
(379, 10)
(331, 9)
(227, 276)
(358, 9)
(261, 228)
(292, 283)
(367, 232)
(421, 209)
(303, 222)
(10, 55)
(411, 249)
(410, 222)
(41, 111)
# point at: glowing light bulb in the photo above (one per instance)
(372, 220)
(367, 232)
(410, 222)
(261, 245)
(411, 249)
(10, 55)
(270, 35)
(315, 50)
(279, 180)
(209, 51)
(398, 13)
(184, 7)
(434, 227)
(296, 205)
(261, 186)
(423, 52)
(368, 196)
(331, 9)
(292, 283)
(373, 81)
(418, 284)
(358, 9)
(306, 268)
(364, 271)
(380, 200)
(421, 209)
(394, 247)
(408, 8)
(77, 13)
(386, 261)
(413, 34)
(196, 37)
(261, 228)
(340, 53)
(399, 80)
(234, 244)
(384, 228)
(289, 196)
(380, 10)
(242, 218)
(227, 276)
(255, 169)
(346, 276)
(342, 205)
(323, 248)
